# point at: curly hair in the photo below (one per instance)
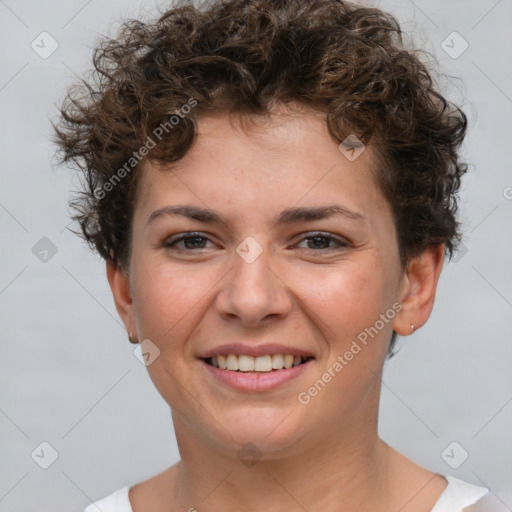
(245, 57)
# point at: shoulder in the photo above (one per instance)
(116, 502)
(458, 495)
(151, 493)
(489, 503)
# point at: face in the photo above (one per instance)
(265, 275)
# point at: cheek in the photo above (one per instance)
(168, 306)
(164, 298)
(346, 305)
(346, 300)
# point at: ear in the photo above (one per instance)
(418, 290)
(120, 285)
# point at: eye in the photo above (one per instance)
(196, 241)
(191, 240)
(320, 241)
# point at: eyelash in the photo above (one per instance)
(191, 235)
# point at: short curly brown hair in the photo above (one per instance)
(244, 57)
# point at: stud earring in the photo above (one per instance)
(412, 328)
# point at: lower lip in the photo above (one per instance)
(257, 381)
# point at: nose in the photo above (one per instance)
(254, 292)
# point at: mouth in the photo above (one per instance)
(259, 374)
(261, 364)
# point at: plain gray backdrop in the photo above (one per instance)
(68, 374)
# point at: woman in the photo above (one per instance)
(273, 187)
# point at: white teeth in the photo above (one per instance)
(232, 362)
(263, 364)
(277, 361)
(288, 361)
(244, 363)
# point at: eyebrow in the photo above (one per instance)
(287, 216)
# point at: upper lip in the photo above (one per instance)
(255, 350)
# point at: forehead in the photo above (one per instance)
(250, 163)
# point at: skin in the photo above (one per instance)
(325, 455)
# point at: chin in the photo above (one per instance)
(268, 428)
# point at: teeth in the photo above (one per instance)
(288, 361)
(263, 364)
(232, 362)
(244, 363)
(277, 362)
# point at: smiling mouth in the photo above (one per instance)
(260, 364)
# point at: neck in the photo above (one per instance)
(341, 471)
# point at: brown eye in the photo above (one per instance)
(320, 241)
(191, 241)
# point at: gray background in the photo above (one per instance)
(68, 374)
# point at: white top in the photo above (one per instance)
(455, 498)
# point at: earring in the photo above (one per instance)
(412, 328)
(131, 339)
